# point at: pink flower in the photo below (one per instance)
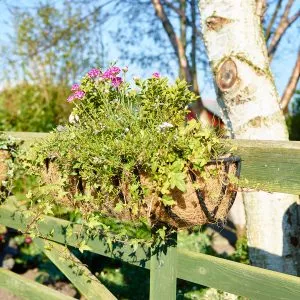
(79, 94)
(28, 240)
(111, 72)
(70, 98)
(93, 73)
(155, 75)
(75, 87)
(116, 81)
(115, 70)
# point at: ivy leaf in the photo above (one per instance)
(177, 180)
(69, 231)
(177, 165)
(168, 200)
(83, 247)
(93, 222)
(162, 232)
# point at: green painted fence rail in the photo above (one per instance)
(236, 278)
(27, 289)
(88, 285)
(266, 165)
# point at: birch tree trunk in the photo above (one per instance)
(249, 100)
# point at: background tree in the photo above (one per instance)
(50, 48)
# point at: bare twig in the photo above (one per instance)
(284, 24)
(180, 13)
(194, 48)
(175, 41)
(273, 18)
(291, 86)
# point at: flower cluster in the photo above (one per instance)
(111, 74)
(93, 73)
(77, 93)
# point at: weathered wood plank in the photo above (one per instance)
(26, 288)
(270, 165)
(163, 273)
(243, 280)
(236, 278)
(267, 165)
(88, 285)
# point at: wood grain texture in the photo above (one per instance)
(88, 285)
(28, 289)
(232, 277)
(163, 273)
(272, 166)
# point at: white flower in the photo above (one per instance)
(73, 118)
(61, 128)
(126, 130)
(165, 125)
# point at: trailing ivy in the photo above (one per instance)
(9, 147)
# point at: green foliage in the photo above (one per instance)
(51, 44)
(8, 167)
(116, 135)
(196, 241)
(241, 253)
(32, 107)
(293, 120)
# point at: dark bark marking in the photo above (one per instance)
(216, 23)
(256, 122)
(227, 75)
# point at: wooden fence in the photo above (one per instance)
(266, 165)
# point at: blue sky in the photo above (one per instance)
(281, 65)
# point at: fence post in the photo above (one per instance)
(163, 271)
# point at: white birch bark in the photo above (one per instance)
(249, 100)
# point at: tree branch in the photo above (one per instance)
(175, 41)
(283, 25)
(180, 13)
(291, 86)
(194, 48)
(271, 23)
(183, 30)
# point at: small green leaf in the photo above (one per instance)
(69, 231)
(84, 247)
(178, 180)
(167, 200)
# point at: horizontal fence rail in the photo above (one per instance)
(27, 289)
(236, 278)
(272, 166)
